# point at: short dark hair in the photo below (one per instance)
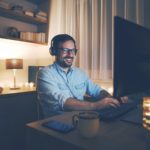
(56, 40)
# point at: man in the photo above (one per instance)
(61, 86)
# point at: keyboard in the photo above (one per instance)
(112, 113)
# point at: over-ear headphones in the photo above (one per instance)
(56, 40)
(52, 49)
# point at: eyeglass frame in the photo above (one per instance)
(67, 50)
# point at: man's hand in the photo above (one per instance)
(110, 101)
(124, 99)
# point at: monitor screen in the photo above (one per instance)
(131, 58)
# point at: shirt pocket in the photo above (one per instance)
(80, 86)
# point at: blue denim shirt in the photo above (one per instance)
(55, 86)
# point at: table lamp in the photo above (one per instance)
(14, 64)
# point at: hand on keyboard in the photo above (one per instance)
(110, 101)
(106, 102)
(111, 113)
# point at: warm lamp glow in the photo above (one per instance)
(146, 112)
(14, 64)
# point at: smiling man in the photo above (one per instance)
(61, 86)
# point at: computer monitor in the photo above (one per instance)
(131, 58)
(32, 73)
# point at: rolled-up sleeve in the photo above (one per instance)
(93, 89)
(49, 94)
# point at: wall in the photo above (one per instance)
(32, 54)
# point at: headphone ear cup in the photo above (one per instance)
(76, 52)
(52, 51)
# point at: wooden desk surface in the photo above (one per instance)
(116, 135)
(8, 91)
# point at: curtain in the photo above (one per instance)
(91, 23)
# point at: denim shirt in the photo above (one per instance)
(55, 86)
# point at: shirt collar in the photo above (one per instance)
(61, 69)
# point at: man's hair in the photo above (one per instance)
(57, 40)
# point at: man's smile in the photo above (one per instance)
(68, 59)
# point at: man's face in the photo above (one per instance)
(66, 54)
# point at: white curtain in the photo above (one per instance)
(90, 22)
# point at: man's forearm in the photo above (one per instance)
(74, 104)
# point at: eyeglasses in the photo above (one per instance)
(67, 50)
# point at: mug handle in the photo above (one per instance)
(75, 120)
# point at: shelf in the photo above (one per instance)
(20, 17)
(17, 39)
(31, 24)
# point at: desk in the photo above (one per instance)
(116, 135)
(17, 108)
(8, 91)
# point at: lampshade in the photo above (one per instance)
(14, 63)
